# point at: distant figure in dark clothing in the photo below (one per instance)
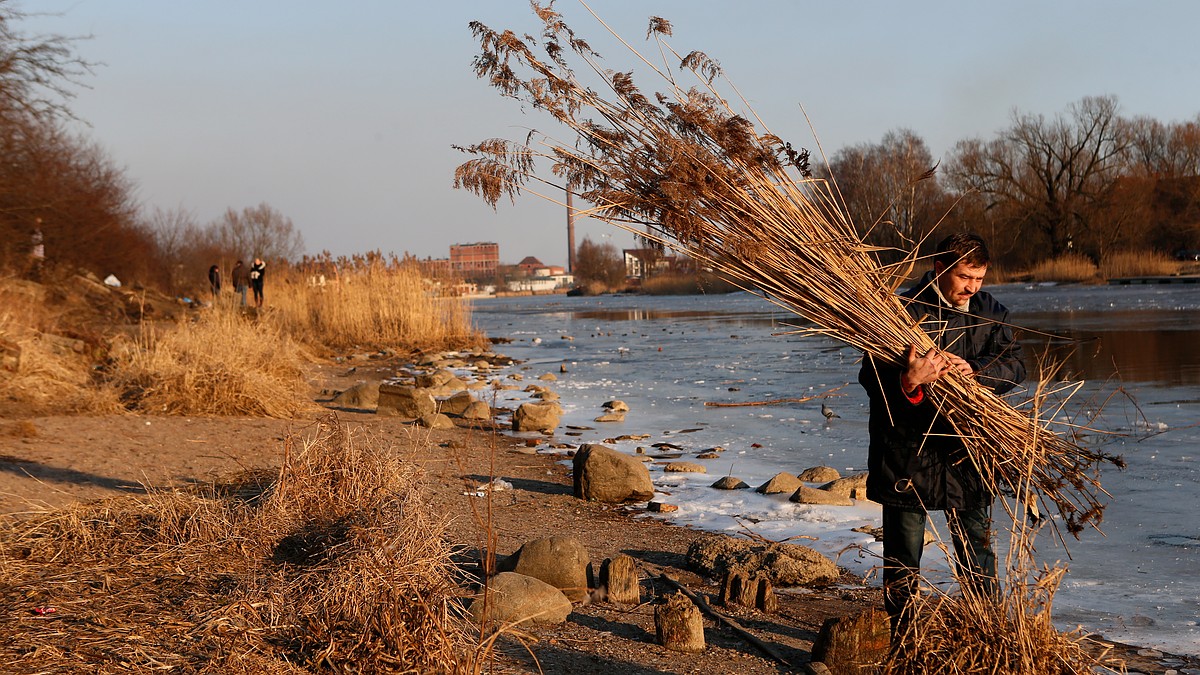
(214, 280)
(240, 280)
(257, 271)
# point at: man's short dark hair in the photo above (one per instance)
(966, 248)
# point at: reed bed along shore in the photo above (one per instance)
(71, 352)
(694, 170)
(376, 303)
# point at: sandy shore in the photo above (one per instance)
(47, 462)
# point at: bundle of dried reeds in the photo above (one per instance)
(685, 169)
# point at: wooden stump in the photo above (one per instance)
(764, 594)
(744, 590)
(853, 644)
(737, 589)
(620, 577)
(678, 625)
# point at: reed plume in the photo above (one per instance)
(683, 168)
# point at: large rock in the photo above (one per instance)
(514, 598)
(559, 561)
(536, 417)
(478, 410)
(780, 483)
(807, 495)
(436, 421)
(845, 486)
(405, 401)
(602, 474)
(456, 404)
(819, 474)
(785, 564)
(361, 395)
(440, 383)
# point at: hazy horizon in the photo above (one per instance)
(342, 117)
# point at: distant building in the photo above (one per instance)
(640, 260)
(475, 260)
(541, 283)
(529, 265)
(435, 267)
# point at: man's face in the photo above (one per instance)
(960, 282)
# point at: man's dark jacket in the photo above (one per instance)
(915, 462)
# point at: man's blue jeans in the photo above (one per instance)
(904, 539)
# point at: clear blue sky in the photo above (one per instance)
(341, 115)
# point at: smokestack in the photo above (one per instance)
(570, 234)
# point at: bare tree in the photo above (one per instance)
(258, 231)
(38, 74)
(1045, 180)
(889, 188)
(599, 263)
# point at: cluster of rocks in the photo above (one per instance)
(433, 394)
(835, 489)
(545, 578)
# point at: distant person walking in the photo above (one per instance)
(214, 280)
(240, 280)
(37, 251)
(257, 271)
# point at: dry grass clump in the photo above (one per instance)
(221, 364)
(1071, 267)
(332, 564)
(686, 284)
(373, 303)
(1137, 264)
(41, 365)
(968, 634)
(684, 167)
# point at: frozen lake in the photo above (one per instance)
(1136, 348)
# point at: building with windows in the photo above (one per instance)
(475, 261)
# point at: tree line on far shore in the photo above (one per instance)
(1086, 182)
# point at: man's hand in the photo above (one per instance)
(960, 364)
(923, 369)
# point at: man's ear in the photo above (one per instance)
(938, 268)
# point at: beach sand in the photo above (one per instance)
(51, 461)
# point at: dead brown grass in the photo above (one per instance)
(42, 365)
(223, 363)
(376, 303)
(686, 284)
(967, 633)
(1072, 268)
(334, 563)
(1138, 264)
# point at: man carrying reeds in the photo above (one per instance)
(917, 463)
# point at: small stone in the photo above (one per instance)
(685, 467)
(661, 507)
(730, 483)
